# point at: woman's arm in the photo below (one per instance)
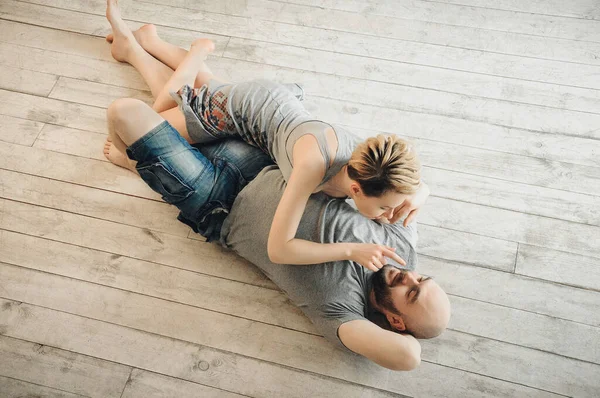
(284, 248)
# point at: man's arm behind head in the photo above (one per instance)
(388, 349)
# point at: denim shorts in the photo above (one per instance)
(202, 181)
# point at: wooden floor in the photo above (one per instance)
(104, 294)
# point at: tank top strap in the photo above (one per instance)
(347, 142)
(324, 148)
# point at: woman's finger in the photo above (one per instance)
(377, 263)
(411, 217)
(394, 256)
(372, 267)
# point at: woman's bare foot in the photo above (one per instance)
(205, 46)
(142, 35)
(123, 41)
(117, 157)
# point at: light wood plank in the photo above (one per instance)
(561, 267)
(57, 63)
(451, 14)
(13, 388)
(466, 247)
(91, 202)
(522, 91)
(359, 45)
(522, 310)
(143, 384)
(397, 73)
(73, 169)
(19, 131)
(402, 29)
(515, 168)
(514, 291)
(124, 240)
(199, 290)
(201, 364)
(272, 308)
(519, 197)
(27, 81)
(286, 347)
(47, 110)
(526, 329)
(195, 236)
(513, 226)
(95, 94)
(56, 368)
(534, 368)
(586, 9)
(83, 22)
(70, 141)
(402, 74)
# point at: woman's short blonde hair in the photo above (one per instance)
(385, 163)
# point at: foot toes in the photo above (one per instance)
(110, 38)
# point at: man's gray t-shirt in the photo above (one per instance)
(329, 294)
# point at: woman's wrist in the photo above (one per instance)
(348, 250)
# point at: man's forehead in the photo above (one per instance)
(397, 265)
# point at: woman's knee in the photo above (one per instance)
(131, 118)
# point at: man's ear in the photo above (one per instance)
(396, 322)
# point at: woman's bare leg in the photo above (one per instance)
(161, 79)
(186, 73)
(167, 53)
(190, 67)
(125, 48)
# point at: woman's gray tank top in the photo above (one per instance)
(347, 142)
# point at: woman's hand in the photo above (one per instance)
(373, 256)
(411, 206)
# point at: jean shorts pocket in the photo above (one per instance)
(172, 189)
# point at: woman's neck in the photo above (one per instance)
(338, 186)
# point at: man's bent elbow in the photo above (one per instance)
(406, 360)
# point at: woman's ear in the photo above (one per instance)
(396, 322)
(355, 189)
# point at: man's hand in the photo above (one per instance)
(411, 206)
(373, 256)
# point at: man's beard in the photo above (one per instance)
(383, 291)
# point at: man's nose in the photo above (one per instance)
(409, 279)
(389, 214)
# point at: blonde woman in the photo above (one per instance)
(381, 174)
